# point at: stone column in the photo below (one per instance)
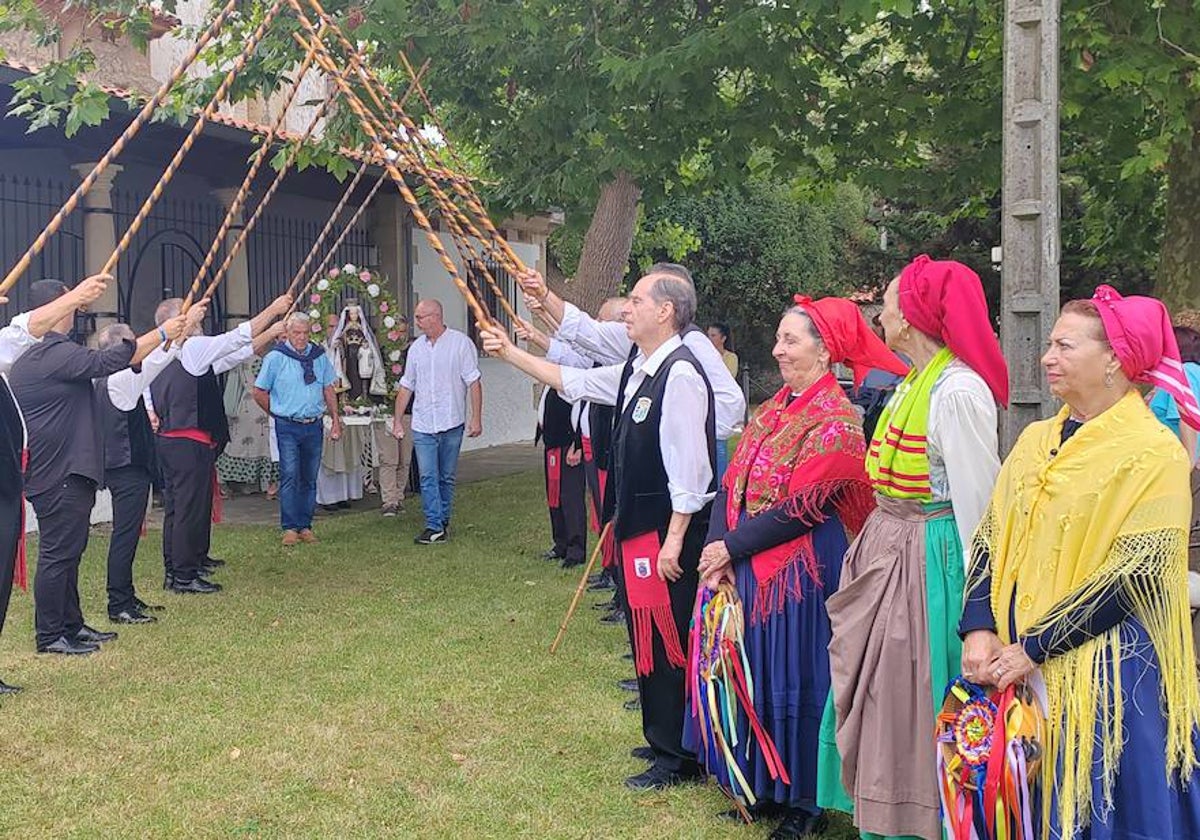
(235, 287)
(391, 239)
(99, 240)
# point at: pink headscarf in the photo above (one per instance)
(944, 299)
(1139, 330)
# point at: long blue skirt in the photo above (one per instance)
(1145, 806)
(789, 662)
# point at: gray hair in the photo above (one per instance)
(674, 285)
(809, 324)
(297, 318)
(435, 303)
(167, 310)
(114, 334)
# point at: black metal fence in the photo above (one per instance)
(26, 205)
(278, 245)
(489, 298)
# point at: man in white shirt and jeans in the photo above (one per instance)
(442, 368)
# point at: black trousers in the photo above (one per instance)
(10, 536)
(568, 521)
(662, 690)
(130, 487)
(63, 514)
(187, 505)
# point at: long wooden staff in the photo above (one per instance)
(587, 571)
(117, 147)
(239, 199)
(189, 141)
(450, 212)
(312, 252)
(381, 150)
(454, 215)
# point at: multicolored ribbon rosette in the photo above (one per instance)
(989, 748)
(721, 694)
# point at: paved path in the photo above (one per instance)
(476, 465)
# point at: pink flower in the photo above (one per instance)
(393, 336)
(335, 271)
(364, 276)
(383, 307)
(396, 369)
(314, 298)
(316, 328)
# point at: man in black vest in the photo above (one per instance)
(660, 492)
(128, 462)
(192, 431)
(52, 383)
(24, 332)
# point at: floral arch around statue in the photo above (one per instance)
(326, 299)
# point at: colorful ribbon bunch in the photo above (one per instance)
(988, 748)
(721, 691)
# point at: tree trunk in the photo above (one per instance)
(606, 245)
(1178, 279)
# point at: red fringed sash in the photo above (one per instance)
(554, 477)
(649, 602)
(807, 453)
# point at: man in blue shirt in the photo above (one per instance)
(295, 386)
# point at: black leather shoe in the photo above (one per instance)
(628, 685)
(134, 616)
(199, 586)
(761, 810)
(610, 605)
(168, 580)
(798, 824)
(92, 636)
(644, 753)
(634, 705)
(144, 607)
(5, 688)
(658, 779)
(628, 657)
(213, 561)
(66, 647)
(602, 585)
(614, 617)
(208, 568)
(572, 564)
(551, 554)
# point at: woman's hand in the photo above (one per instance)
(669, 569)
(1011, 665)
(714, 560)
(980, 648)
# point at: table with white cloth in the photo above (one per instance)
(345, 462)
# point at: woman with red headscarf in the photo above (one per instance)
(1079, 581)
(932, 462)
(795, 487)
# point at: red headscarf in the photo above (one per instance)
(944, 299)
(1139, 330)
(849, 338)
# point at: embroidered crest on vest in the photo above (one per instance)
(642, 410)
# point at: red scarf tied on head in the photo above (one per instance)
(944, 299)
(849, 338)
(1139, 330)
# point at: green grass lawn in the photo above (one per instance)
(363, 687)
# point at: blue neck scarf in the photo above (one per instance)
(313, 353)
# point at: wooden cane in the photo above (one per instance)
(155, 194)
(562, 629)
(381, 150)
(117, 147)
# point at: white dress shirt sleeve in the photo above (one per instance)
(599, 385)
(126, 386)
(15, 339)
(605, 342)
(468, 361)
(562, 353)
(200, 352)
(234, 359)
(963, 428)
(728, 399)
(683, 441)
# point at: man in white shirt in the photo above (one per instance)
(664, 461)
(441, 370)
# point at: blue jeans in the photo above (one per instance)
(437, 461)
(299, 459)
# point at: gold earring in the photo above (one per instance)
(1108, 379)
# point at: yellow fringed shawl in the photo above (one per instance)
(1067, 521)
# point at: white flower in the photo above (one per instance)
(389, 322)
(349, 268)
(314, 314)
(394, 355)
(322, 285)
(373, 290)
(391, 155)
(396, 385)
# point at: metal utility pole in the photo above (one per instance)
(1029, 280)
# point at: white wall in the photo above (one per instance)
(509, 397)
